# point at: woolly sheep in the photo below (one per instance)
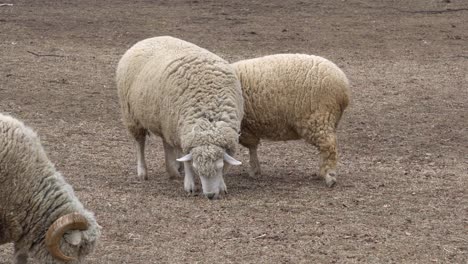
(190, 98)
(289, 97)
(37, 207)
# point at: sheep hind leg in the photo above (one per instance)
(324, 138)
(328, 152)
(172, 165)
(139, 135)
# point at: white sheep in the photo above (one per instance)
(290, 97)
(39, 211)
(189, 97)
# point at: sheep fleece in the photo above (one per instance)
(32, 193)
(170, 86)
(289, 95)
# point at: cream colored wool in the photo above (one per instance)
(33, 195)
(186, 95)
(290, 97)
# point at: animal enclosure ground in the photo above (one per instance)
(402, 185)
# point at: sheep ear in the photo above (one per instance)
(231, 160)
(187, 157)
(73, 238)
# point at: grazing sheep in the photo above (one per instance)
(189, 97)
(289, 97)
(39, 212)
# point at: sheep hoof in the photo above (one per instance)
(191, 190)
(142, 177)
(255, 173)
(142, 172)
(191, 194)
(330, 179)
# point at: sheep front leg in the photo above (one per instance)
(139, 135)
(250, 141)
(189, 181)
(172, 165)
(254, 163)
(21, 257)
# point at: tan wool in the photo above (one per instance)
(290, 97)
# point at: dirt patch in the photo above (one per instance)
(402, 188)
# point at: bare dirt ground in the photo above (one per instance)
(402, 193)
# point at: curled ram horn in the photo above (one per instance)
(72, 221)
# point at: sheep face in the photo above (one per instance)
(75, 245)
(208, 163)
(78, 244)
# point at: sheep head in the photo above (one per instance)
(208, 162)
(70, 227)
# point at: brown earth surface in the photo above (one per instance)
(402, 192)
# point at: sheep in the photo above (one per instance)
(290, 97)
(189, 97)
(39, 211)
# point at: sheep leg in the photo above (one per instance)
(21, 256)
(250, 141)
(189, 181)
(319, 131)
(328, 151)
(179, 166)
(172, 166)
(141, 167)
(254, 163)
(139, 135)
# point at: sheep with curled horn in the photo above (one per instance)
(39, 211)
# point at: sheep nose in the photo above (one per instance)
(210, 196)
